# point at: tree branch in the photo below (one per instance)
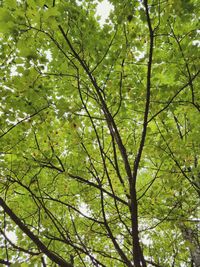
(52, 256)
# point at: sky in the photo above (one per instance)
(103, 10)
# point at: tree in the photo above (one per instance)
(99, 134)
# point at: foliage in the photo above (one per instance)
(99, 134)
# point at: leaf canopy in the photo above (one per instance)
(99, 134)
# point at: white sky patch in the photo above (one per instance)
(48, 55)
(11, 235)
(13, 71)
(103, 10)
(196, 42)
(84, 209)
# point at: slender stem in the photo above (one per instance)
(52, 256)
(138, 257)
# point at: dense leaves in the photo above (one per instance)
(99, 134)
